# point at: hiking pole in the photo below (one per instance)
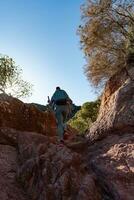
(48, 100)
(50, 105)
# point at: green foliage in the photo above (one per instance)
(107, 37)
(11, 81)
(85, 116)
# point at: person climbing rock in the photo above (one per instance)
(60, 103)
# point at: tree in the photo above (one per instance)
(10, 79)
(85, 116)
(107, 37)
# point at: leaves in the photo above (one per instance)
(107, 37)
(11, 81)
(86, 116)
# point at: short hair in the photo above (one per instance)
(57, 88)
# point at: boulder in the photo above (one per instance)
(38, 168)
(25, 117)
(48, 171)
(112, 161)
(9, 187)
(117, 106)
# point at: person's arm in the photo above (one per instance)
(53, 98)
(52, 102)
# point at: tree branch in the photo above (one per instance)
(124, 15)
(2, 90)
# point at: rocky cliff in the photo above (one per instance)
(25, 117)
(97, 167)
(117, 106)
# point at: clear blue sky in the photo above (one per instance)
(41, 37)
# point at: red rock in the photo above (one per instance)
(9, 188)
(52, 172)
(24, 117)
(117, 106)
(112, 160)
(94, 168)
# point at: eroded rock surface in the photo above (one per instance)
(117, 106)
(49, 171)
(25, 117)
(33, 166)
(9, 188)
(45, 170)
(112, 160)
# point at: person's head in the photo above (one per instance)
(57, 88)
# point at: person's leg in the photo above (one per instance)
(60, 125)
(65, 113)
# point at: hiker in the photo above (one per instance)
(60, 102)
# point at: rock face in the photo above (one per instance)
(9, 188)
(112, 161)
(25, 117)
(99, 167)
(48, 171)
(117, 106)
(111, 157)
(43, 169)
(36, 166)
